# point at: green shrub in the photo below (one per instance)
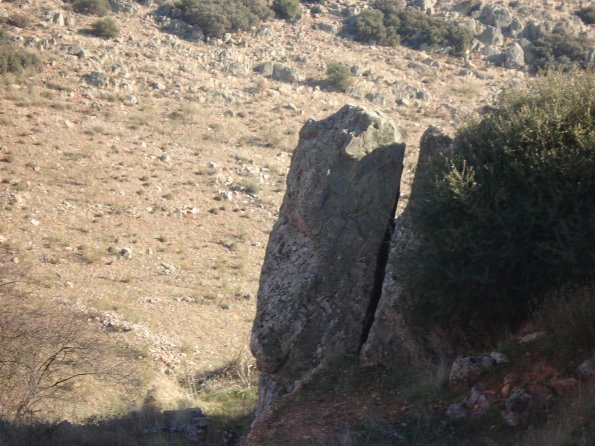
(561, 51)
(91, 7)
(287, 9)
(18, 21)
(340, 75)
(587, 15)
(16, 60)
(369, 26)
(217, 17)
(106, 28)
(509, 215)
(390, 23)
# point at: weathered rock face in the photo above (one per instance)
(391, 340)
(319, 284)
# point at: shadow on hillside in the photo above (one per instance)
(228, 393)
(146, 427)
(322, 84)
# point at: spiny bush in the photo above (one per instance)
(509, 215)
(17, 60)
(562, 51)
(217, 17)
(390, 23)
(340, 75)
(91, 7)
(587, 15)
(106, 28)
(287, 9)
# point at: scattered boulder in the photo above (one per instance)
(125, 6)
(376, 98)
(184, 30)
(278, 72)
(475, 405)
(495, 16)
(75, 50)
(468, 369)
(58, 19)
(126, 252)
(519, 406)
(97, 79)
(514, 29)
(531, 337)
(587, 368)
(327, 27)
(491, 36)
(426, 5)
(514, 57)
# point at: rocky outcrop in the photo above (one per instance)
(324, 263)
(391, 339)
(278, 72)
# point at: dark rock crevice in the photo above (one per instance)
(379, 274)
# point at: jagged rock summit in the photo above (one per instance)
(325, 259)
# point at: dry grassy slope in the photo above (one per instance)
(84, 175)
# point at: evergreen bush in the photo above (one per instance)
(16, 60)
(217, 17)
(390, 23)
(562, 51)
(587, 15)
(91, 7)
(340, 75)
(106, 28)
(287, 9)
(509, 215)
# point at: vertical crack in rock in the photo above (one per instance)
(391, 339)
(381, 262)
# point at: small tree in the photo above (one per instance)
(287, 9)
(106, 28)
(91, 7)
(510, 215)
(217, 17)
(340, 75)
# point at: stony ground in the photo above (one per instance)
(143, 195)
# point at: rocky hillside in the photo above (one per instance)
(142, 172)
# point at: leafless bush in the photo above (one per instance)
(44, 349)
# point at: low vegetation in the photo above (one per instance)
(340, 76)
(91, 7)
(566, 316)
(16, 60)
(18, 21)
(389, 23)
(287, 9)
(587, 14)
(44, 350)
(509, 215)
(562, 51)
(217, 17)
(106, 28)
